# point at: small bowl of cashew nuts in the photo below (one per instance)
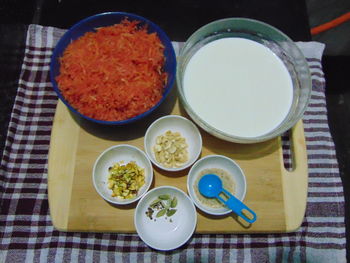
(173, 143)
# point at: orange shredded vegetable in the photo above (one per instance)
(114, 73)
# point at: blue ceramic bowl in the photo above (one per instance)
(107, 19)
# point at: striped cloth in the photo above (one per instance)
(27, 234)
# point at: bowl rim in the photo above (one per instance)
(223, 135)
(130, 147)
(67, 35)
(190, 174)
(193, 222)
(149, 154)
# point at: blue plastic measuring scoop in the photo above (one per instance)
(210, 186)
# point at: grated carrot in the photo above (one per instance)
(115, 73)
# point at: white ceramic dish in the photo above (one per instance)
(222, 162)
(174, 123)
(161, 233)
(108, 158)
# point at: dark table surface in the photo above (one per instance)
(179, 19)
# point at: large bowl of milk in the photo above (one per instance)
(243, 80)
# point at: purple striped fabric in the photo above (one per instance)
(27, 234)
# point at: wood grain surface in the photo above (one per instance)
(276, 195)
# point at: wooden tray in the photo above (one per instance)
(276, 195)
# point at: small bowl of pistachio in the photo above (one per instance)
(122, 174)
(173, 143)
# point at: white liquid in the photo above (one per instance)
(238, 86)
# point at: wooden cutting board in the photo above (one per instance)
(276, 195)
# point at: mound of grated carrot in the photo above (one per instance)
(115, 73)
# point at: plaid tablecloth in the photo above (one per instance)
(27, 234)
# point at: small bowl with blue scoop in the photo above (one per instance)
(210, 186)
(217, 186)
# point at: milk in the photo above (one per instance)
(238, 86)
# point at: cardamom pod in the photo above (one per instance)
(170, 212)
(173, 202)
(164, 197)
(161, 213)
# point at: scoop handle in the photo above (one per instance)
(237, 206)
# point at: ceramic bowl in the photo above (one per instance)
(166, 232)
(120, 153)
(221, 162)
(90, 24)
(174, 123)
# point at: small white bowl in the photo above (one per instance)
(115, 154)
(221, 162)
(174, 123)
(162, 233)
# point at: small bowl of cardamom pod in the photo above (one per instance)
(173, 143)
(165, 218)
